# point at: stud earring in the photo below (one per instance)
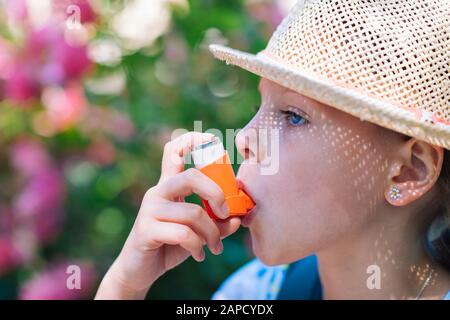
(395, 193)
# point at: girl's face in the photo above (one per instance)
(330, 178)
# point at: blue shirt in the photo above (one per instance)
(256, 281)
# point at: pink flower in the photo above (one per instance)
(55, 283)
(40, 204)
(266, 12)
(17, 9)
(46, 59)
(121, 126)
(29, 157)
(65, 106)
(56, 60)
(6, 58)
(102, 152)
(87, 13)
(21, 85)
(101, 120)
(38, 207)
(10, 256)
(6, 219)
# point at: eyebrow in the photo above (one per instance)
(306, 107)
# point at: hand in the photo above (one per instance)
(168, 230)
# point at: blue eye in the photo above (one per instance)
(294, 119)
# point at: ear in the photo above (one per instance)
(415, 170)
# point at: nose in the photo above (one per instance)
(243, 145)
(249, 144)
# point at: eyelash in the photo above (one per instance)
(289, 114)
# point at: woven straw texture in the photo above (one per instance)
(383, 61)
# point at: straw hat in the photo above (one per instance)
(383, 61)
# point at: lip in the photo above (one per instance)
(248, 218)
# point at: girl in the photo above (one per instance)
(359, 195)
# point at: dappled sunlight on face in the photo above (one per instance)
(330, 180)
(328, 193)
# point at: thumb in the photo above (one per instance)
(229, 226)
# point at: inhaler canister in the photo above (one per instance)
(212, 159)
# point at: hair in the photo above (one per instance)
(444, 184)
(437, 239)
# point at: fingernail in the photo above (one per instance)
(225, 210)
(201, 256)
(219, 247)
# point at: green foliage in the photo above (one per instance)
(161, 93)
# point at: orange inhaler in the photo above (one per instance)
(212, 160)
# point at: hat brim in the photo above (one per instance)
(350, 100)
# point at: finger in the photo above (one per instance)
(178, 234)
(176, 149)
(193, 216)
(229, 226)
(193, 181)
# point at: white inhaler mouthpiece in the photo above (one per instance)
(207, 153)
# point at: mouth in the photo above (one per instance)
(248, 218)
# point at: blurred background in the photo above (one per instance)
(90, 91)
